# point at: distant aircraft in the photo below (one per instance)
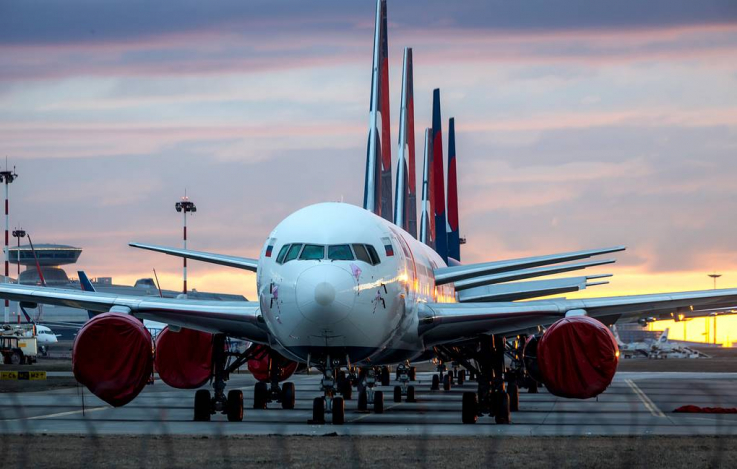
(342, 287)
(631, 349)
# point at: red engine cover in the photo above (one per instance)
(578, 357)
(112, 355)
(184, 359)
(259, 367)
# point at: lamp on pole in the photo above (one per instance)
(7, 177)
(185, 206)
(18, 233)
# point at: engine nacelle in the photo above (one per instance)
(259, 366)
(184, 358)
(112, 355)
(575, 358)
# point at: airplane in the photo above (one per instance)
(344, 288)
(631, 349)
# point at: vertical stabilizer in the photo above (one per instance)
(454, 237)
(405, 206)
(664, 336)
(441, 235)
(377, 195)
(427, 220)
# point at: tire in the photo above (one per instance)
(385, 377)
(338, 411)
(412, 373)
(410, 394)
(379, 402)
(502, 415)
(532, 386)
(318, 410)
(461, 377)
(471, 376)
(202, 405)
(362, 400)
(435, 383)
(513, 392)
(469, 411)
(16, 358)
(260, 395)
(235, 406)
(447, 382)
(288, 395)
(347, 391)
(397, 394)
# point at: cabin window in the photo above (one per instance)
(361, 253)
(341, 252)
(282, 253)
(312, 252)
(293, 252)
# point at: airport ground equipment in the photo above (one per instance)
(18, 350)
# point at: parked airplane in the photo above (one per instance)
(341, 287)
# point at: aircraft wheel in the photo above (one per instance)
(235, 406)
(410, 394)
(447, 382)
(202, 406)
(471, 376)
(260, 395)
(362, 399)
(318, 410)
(412, 373)
(379, 402)
(469, 412)
(532, 386)
(288, 395)
(385, 377)
(502, 415)
(513, 392)
(435, 383)
(461, 377)
(347, 391)
(338, 411)
(397, 394)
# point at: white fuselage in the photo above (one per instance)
(323, 293)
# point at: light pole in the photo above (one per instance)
(7, 177)
(715, 276)
(19, 233)
(184, 206)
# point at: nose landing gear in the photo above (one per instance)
(329, 403)
(405, 374)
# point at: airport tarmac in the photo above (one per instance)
(635, 404)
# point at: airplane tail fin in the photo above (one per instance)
(405, 205)
(427, 220)
(86, 285)
(454, 237)
(441, 235)
(664, 336)
(377, 195)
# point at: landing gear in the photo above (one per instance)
(234, 406)
(288, 396)
(447, 382)
(333, 381)
(264, 393)
(435, 383)
(202, 409)
(470, 408)
(461, 377)
(404, 376)
(260, 395)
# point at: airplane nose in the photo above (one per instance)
(325, 294)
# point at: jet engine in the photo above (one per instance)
(112, 355)
(184, 358)
(259, 365)
(575, 358)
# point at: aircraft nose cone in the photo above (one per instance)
(325, 294)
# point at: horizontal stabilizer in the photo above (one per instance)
(220, 259)
(445, 275)
(526, 273)
(526, 290)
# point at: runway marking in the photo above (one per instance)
(60, 414)
(650, 405)
(371, 413)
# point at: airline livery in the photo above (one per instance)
(351, 290)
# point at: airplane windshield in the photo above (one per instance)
(282, 253)
(341, 252)
(312, 252)
(293, 252)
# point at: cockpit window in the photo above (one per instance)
(374, 255)
(312, 252)
(341, 252)
(361, 253)
(293, 252)
(282, 253)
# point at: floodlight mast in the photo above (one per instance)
(18, 233)
(7, 177)
(185, 206)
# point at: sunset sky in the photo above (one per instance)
(579, 125)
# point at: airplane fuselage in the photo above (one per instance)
(335, 280)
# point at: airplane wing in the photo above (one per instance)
(239, 319)
(220, 259)
(452, 322)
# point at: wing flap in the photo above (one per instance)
(220, 259)
(526, 290)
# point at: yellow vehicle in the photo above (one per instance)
(18, 350)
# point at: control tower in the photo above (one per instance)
(50, 257)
